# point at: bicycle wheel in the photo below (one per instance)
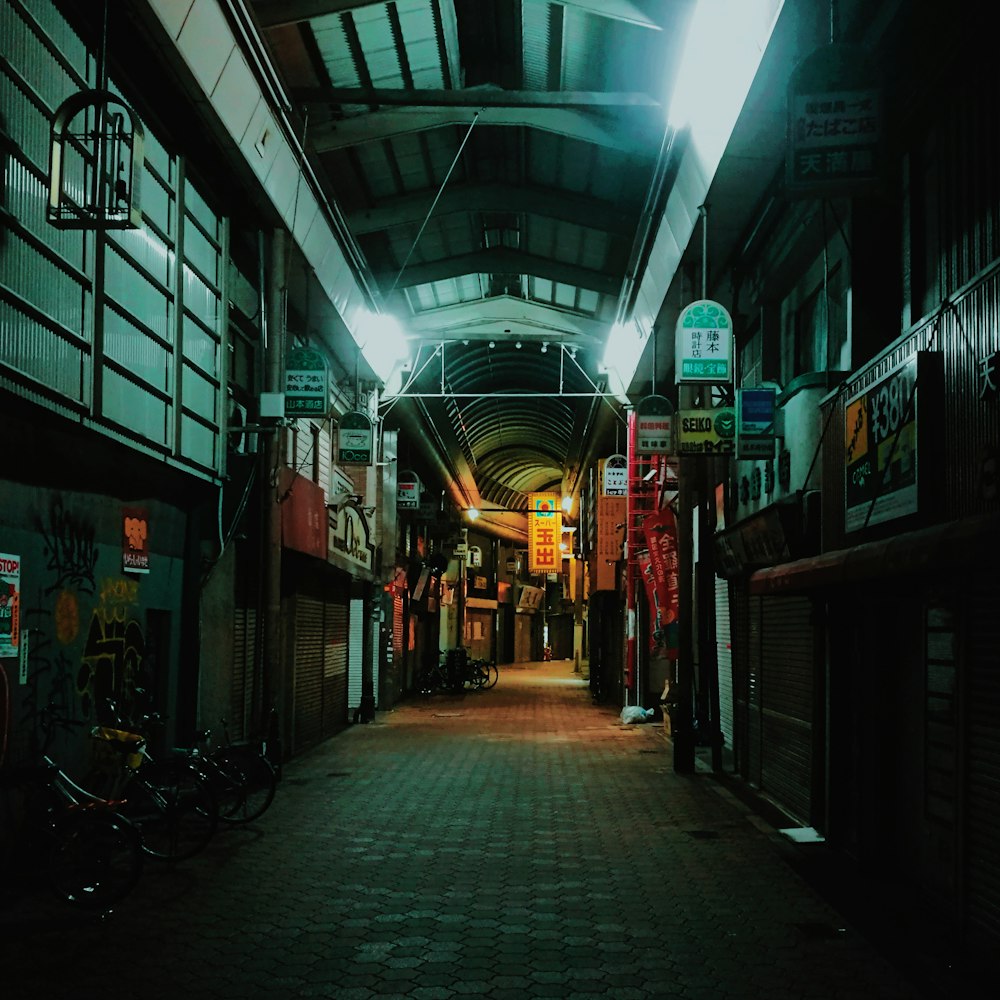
(493, 675)
(94, 859)
(173, 808)
(260, 781)
(228, 781)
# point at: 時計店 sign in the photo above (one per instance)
(703, 343)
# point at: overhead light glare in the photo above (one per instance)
(472, 514)
(383, 342)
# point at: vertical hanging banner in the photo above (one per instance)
(544, 533)
(307, 383)
(654, 426)
(703, 343)
(10, 603)
(660, 532)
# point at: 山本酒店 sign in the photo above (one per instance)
(307, 383)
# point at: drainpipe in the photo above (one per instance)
(274, 681)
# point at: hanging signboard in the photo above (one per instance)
(653, 427)
(755, 410)
(544, 533)
(614, 476)
(706, 432)
(307, 383)
(834, 124)
(355, 440)
(10, 603)
(408, 490)
(703, 343)
(880, 461)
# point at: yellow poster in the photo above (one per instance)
(544, 533)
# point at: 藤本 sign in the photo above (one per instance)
(703, 343)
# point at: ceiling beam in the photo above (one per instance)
(502, 260)
(613, 131)
(617, 10)
(485, 318)
(474, 97)
(550, 203)
(272, 13)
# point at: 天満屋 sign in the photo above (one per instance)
(307, 383)
(653, 427)
(834, 124)
(703, 343)
(355, 439)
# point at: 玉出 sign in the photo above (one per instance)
(703, 343)
(544, 533)
(307, 383)
(10, 603)
(706, 432)
(355, 438)
(880, 461)
(653, 433)
(755, 409)
(834, 124)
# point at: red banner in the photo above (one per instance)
(660, 531)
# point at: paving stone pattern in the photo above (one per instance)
(513, 843)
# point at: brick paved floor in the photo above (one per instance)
(511, 844)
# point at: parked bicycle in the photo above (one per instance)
(169, 801)
(85, 849)
(455, 671)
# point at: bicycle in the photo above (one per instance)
(90, 853)
(482, 674)
(170, 803)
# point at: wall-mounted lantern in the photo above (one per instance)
(95, 163)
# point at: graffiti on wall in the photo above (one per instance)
(70, 548)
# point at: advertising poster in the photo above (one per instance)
(880, 461)
(660, 532)
(10, 602)
(135, 540)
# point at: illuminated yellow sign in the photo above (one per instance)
(544, 533)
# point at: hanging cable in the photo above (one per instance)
(437, 197)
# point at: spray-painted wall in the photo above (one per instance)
(94, 631)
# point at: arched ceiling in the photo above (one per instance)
(493, 160)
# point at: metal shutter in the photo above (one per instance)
(982, 846)
(788, 652)
(334, 668)
(308, 676)
(355, 654)
(244, 658)
(724, 659)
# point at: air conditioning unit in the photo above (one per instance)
(242, 441)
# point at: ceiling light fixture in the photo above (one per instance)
(545, 346)
(493, 343)
(517, 344)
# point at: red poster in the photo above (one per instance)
(660, 531)
(135, 540)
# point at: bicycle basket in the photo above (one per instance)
(131, 745)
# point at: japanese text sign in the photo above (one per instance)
(544, 533)
(703, 343)
(307, 384)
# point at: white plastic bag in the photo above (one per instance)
(636, 713)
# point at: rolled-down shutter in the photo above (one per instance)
(355, 654)
(334, 668)
(982, 848)
(724, 659)
(308, 678)
(787, 667)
